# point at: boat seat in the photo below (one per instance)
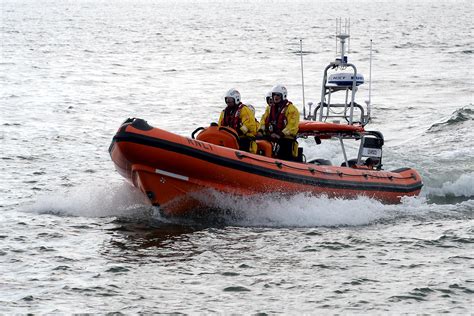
(321, 162)
(372, 162)
(264, 148)
(368, 164)
(352, 163)
(222, 136)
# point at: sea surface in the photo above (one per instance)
(76, 238)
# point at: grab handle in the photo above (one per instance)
(195, 131)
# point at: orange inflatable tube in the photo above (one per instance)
(171, 169)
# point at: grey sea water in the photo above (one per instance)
(74, 237)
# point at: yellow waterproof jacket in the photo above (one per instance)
(292, 117)
(248, 124)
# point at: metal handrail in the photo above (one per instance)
(345, 116)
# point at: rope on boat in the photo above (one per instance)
(280, 165)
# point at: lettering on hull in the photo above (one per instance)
(199, 144)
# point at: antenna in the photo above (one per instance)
(302, 78)
(337, 32)
(369, 102)
(341, 37)
(349, 32)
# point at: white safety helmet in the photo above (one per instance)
(233, 93)
(281, 90)
(268, 97)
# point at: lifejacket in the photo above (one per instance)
(232, 117)
(277, 120)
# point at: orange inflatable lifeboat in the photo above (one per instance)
(171, 169)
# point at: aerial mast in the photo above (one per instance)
(302, 77)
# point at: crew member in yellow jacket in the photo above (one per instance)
(242, 119)
(279, 123)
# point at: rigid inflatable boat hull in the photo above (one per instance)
(173, 170)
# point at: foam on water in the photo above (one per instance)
(462, 187)
(306, 210)
(93, 200)
(268, 210)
